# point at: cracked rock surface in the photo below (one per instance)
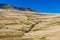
(25, 25)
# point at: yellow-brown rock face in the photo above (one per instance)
(25, 25)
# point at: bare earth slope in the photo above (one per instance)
(25, 25)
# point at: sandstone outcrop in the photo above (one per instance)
(26, 25)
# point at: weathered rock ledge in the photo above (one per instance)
(25, 25)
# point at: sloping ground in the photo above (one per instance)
(25, 25)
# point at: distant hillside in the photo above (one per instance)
(7, 6)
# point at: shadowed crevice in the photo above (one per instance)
(33, 25)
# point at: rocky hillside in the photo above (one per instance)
(8, 6)
(26, 25)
